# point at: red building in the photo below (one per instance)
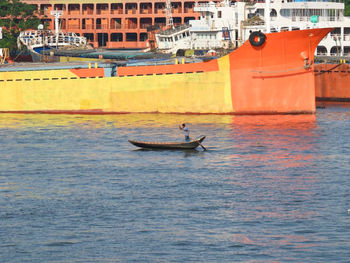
(114, 24)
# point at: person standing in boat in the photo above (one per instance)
(186, 131)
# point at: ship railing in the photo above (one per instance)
(131, 26)
(87, 12)
(335, 36)
(101, 26)
(73, 27)
(329, 19)
(87, 26)
(171, 31)
(102, 12)
(253, 23)
(302, 1)
(206, 5)
(52, 40)
(320, 18)
(116, 11)
(188, 10)
(33, 41)
(145, 11)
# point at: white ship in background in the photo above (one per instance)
(228, 25)
(37, 41)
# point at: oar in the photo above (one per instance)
(202, 146)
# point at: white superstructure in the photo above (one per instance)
(216, 28)
(226, 24)
(302, 14)
(38, 40)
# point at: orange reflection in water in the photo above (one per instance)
(8, 120)
(286, 141)
(283, 150)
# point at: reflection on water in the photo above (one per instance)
(269, 188)
(281, 150)
(282, 141)
(186, 153)
(118, 120)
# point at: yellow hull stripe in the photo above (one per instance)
(207, 92)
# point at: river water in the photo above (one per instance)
(269, 188)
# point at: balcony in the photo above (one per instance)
(88, 9)
(145, 8)
(116, 9)
(101, 26)
(73, 9)
(130, 8)
(73, 27)
(88, 27)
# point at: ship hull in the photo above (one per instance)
(274, 78)
(332, 82)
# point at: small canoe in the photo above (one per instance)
(170, 145)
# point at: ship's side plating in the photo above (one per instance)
(332, 82)
(276, 77)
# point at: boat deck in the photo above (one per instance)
(28, 66)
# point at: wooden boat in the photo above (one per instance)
(170, 145)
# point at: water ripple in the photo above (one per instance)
(269, 189)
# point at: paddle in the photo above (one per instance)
(202, 146)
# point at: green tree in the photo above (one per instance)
(347, 7)
(16, 16)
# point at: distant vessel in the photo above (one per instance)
(228, 25)
(125, 24)
(332, 82)
(37, 41)
(274, 76)
(305, 14)
(216, 28)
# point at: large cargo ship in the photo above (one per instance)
(269, 74)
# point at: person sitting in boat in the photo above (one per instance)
(186, 131)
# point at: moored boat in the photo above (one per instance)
(170, 145)
(274, 76)
(39, 41)
(332, 82)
